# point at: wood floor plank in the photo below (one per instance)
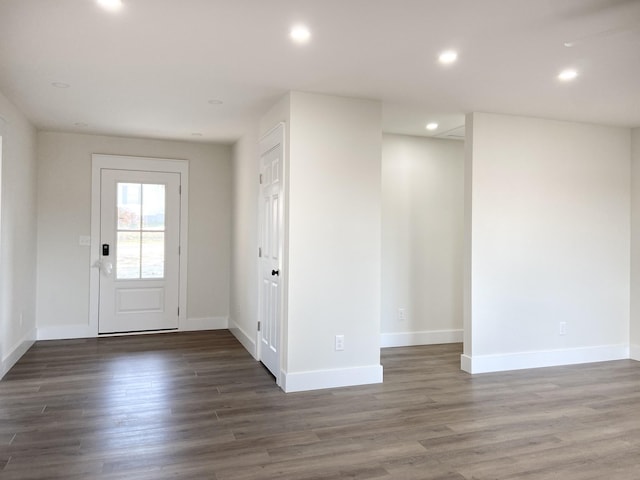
(197, 406)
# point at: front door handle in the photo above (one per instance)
(275, 273)
(105, 267)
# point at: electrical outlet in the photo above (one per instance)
(402, 314)
(339, 343)
(563, 328)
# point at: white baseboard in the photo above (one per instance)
(247, 342)
(465, 363)
(17, 352)
(63, 332)
(634, 352)
(343, 377)
(206, 323)
(550, 358)
(427, 337)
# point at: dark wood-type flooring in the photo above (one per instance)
(197, 406)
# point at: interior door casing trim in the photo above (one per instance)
(148, 164)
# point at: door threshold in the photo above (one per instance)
(137, 332)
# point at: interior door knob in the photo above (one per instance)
(275, 272)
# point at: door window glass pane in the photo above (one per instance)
(153, 207)
(128, 257)
(152, 254)
(129, 204)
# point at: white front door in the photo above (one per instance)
(139, 251)
(271, 247)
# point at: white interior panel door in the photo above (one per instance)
(271, 211)
(139, 251)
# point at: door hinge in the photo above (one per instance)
(259, 252)
(178, 311)
(258, 326)
(179, 250)
(260, 179)
(179, 189)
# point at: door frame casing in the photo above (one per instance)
(145, 164)
(267, 142)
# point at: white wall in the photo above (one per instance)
(64, 203)
(334, 232)
(550, 242)
(635, 244)
(243, 319)
(18, 232)
(467, 245)
(422, 238)
(243, 316)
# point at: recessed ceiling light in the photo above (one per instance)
(60, 85)
(81, 124)
(432, 126)
(110, 4)
(569, 44)
(567, 75)
(448, 56)
(215, 102)
(300, 34)
(196, 134)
